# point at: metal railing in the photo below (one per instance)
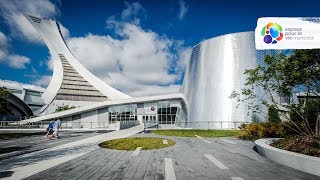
(115, 125)
(211, 124)
(12, 118)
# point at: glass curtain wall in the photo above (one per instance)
(166, 114)
(123, 113)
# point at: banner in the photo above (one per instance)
(287, 33)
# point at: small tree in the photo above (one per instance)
(4, 109)
(283, 76)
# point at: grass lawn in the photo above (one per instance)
(129, 144)
(202, 133)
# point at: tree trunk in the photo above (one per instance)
(318, 125)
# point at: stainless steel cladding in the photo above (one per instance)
(216, 68)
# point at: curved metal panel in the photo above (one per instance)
(19, 106)
(216, 68)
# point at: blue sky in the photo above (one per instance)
(167, 31)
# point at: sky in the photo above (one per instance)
(138, 47)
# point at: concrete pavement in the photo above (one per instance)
(28, 164)
(190, 158)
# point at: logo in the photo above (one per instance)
(272, 33)
(152, 108)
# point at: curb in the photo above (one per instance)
(305, 163)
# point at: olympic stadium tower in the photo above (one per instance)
(71, 83)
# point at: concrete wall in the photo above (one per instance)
(297, 161)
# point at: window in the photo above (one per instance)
(123, 113)
(166, 114)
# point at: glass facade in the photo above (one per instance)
(123, 113)
(166, 113)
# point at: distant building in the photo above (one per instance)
(25, 99)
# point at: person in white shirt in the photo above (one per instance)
(56, 128)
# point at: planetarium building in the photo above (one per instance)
(215, 69)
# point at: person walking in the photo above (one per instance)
(50, 129)
(56, 128)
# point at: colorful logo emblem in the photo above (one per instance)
(272, 33)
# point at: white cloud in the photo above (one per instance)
(12, 60)
(43, 81)
(64, 31)
(17, 61)
(138, 62)
(132, 10)
(18, 85)
(3, 41)
(183, 9)
(19, 26)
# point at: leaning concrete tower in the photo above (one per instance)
(71, 83)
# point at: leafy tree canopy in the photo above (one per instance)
(284, 76)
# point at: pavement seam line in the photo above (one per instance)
(136, 152)
(215, 161)
(198, 136)
(230, 142)
(237, 178)
(203, 139)
(169, 170)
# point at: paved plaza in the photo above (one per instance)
(41, 159)
(190, 158)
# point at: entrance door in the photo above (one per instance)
(150, 121)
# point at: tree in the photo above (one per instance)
(283, 76)
(63, 108)
(4, 109)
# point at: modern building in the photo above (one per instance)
(216, 69)
(24, 100)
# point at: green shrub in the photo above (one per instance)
(273, 115)
(256, 131)
(64, 108)
(310, 110)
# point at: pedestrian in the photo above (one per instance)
(56, 128)
(50, 129)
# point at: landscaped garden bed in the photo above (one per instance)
(129, 144)
(308, 145)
